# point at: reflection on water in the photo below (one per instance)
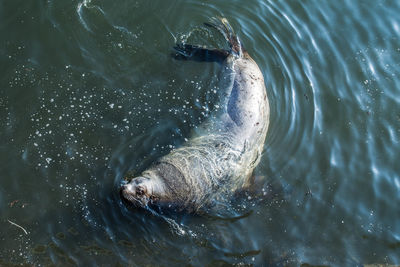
(89, 91)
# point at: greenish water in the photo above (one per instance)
(88, 91)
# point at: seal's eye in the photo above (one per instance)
(140, 191)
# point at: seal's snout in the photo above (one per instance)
(127, 192)
(134, 193)
(125, 187)
(124, 190)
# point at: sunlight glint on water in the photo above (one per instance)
(89, 91)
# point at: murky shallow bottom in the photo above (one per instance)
(89, 91)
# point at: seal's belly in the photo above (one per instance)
(248, 103)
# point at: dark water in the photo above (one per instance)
(88, 91)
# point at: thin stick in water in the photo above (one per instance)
(19, 226)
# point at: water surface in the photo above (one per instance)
(89, 91)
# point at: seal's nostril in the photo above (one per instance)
(121, 191)
(123, 188)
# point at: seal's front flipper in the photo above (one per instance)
(198, 53)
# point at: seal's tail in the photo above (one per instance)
(198, 53)
(223, 26)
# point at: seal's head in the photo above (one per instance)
(141, 191)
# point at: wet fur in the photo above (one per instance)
(214, 165)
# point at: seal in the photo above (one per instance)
(221, 160)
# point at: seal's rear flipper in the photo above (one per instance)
(222, 25)
(198, 53)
